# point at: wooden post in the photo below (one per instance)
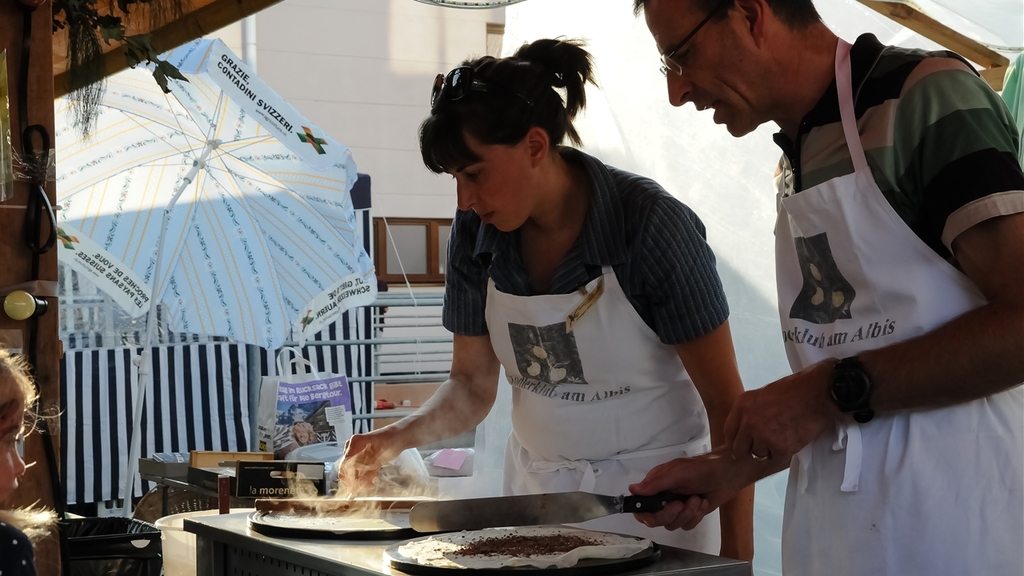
(16, 259)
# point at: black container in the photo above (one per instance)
(112, 547)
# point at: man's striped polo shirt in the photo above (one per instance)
(940, 143)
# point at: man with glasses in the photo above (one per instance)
(900, 263)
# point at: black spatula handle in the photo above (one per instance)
(634, 503)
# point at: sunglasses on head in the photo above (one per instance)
(460, 82)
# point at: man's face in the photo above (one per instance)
(717, 67)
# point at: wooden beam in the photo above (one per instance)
(994, 76)
(195, 24)
(994, 64)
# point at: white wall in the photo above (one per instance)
(362, 71)
(231, 36)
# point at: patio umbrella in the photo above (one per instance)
(219, 201)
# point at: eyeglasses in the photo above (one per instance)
(668, 64)
(460, 82)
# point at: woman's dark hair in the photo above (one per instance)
(526, 95)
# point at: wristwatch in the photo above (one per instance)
(850, 387)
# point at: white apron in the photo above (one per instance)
(595, 408)
(916, 492)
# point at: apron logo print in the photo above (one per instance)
(546, 354)
(826, 295)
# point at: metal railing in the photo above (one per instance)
(410, 344)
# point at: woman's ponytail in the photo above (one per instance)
(563, 64)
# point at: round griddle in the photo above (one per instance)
(388, 525)
(585, 567)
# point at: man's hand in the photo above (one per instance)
(778, 420)
(360, 467)
(712, 479)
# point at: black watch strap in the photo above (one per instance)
(851, 388)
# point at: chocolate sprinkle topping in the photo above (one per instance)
(521, 546)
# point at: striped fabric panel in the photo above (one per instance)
(206, 407)
(198, 401)
(195, 402)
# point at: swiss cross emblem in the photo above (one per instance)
(66, 239)
(307, 136)
(307, 320)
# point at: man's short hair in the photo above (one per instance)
(795, 14)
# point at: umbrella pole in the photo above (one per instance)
(144, 361)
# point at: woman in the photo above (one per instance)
(592, 287)
(18, 528)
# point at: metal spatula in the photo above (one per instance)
(530, 510)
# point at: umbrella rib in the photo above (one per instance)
(312, 248)
(214, 124)
(135, 119)
(253, 143)
(274, 282)
(277, 184)
(232, 273)
(250, 178)
(187, 253)
(178, 122)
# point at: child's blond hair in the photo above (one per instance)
(18, 396)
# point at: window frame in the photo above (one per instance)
(380, 256)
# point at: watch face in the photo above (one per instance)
(850, 388)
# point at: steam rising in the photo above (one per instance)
(384, 505)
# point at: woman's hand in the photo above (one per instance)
(360, 467)
(459, 404)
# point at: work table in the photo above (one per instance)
(225, 545)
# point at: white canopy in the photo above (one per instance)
(727, 181)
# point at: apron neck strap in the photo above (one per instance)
(844, 86)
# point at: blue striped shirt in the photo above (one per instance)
(655, 244)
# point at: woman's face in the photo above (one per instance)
(303, 434)
(499, 187)
(11, 464)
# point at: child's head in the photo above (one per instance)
(16, 395)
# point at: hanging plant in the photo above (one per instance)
(86, 27)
